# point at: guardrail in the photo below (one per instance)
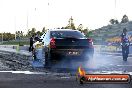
(98, 48)
(105, 48)
(17, 47)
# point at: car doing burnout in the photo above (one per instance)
(66, 43)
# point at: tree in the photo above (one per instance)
(87, 32)
(116, 22)
(124, 19)
(113, 21)
(80, 27)
(7, 36)
(43, 30)
(39, 33)
(29, 33)
(33, 31)
(70, 24)
(62, 27)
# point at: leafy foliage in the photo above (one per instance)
(113, 21)
(7, 36)
(124, 19)
(70, 24)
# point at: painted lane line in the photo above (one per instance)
(124, 65)
(24, 72)
(44, 73)
(112, 72)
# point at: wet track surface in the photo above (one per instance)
(65, 77)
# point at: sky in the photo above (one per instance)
(21, 15)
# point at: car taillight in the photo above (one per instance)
(52, 43)
(90, 42)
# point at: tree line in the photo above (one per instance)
(70, 25)
(6, 36)
(20, 34)
(123, 20)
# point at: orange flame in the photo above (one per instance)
(81, 71)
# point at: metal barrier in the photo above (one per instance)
(105, 48)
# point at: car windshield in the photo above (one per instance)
(66, 34)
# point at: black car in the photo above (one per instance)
(66, 43)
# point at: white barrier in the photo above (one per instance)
(100, 48)
(8, 46)
(104, 48)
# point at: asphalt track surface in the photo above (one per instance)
(9, 80)
(54, 78)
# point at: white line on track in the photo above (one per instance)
(124, 65)
(24, 72)
(44, 73)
